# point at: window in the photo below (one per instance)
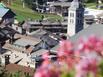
(16, 28)
(71, 14)
(71, 21)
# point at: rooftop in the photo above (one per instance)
(39, 52)
(75, 4)
(95, 29)
(23, 41)
(3, 11)
(38, 33)
(2, 5)
(62, 4)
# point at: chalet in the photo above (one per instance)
(16, 26)
(60, 8)
(6, 15)
(47, 41)
(55, 27)
(37, 57)
(24, 45)
(6, 33)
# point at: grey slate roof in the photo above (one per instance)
(39, 52)
(50, 41)
(6, 33)
(11, 30)
(24, 42)
(3, 11)
(46, 43)
(95, 29)
(38, 33)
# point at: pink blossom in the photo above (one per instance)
(41, 72)
(45, 55)
(65, 48)
(84, 58)
(51, 71)
(85, 66)
(46, 61)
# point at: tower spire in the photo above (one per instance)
(76, 4)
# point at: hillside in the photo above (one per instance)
(93, 5)
(26, 13)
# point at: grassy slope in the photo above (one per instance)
(92, 5)
(25, 13)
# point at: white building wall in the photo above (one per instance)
(71, 23)
(75, 18)
(2, 60)
(15, 27)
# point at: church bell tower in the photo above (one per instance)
(75, 17)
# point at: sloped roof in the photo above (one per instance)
(39, 52)
(24, 42)
(10, 30)
(38, 33)
(3, 11)
(75, 4)
(95, 29)
(2, 5)
(46, 43)
(6, 33)
(50, 41)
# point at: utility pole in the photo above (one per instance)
(23, 3)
